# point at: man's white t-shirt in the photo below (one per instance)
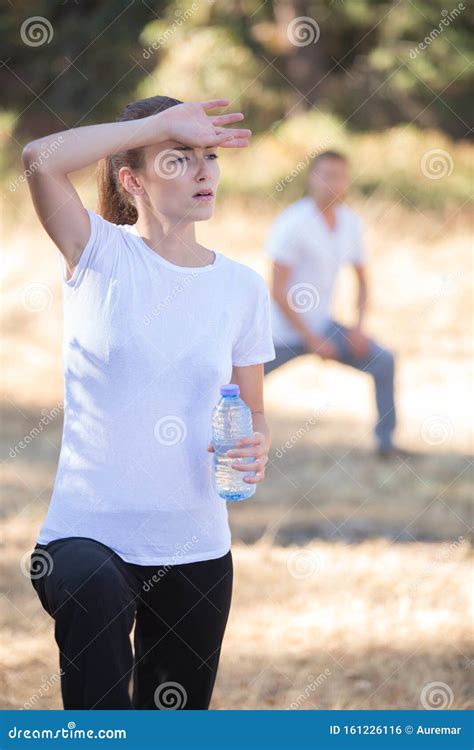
(300, 237)
(146, 346)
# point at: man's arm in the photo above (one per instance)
(358, 341)
(280, 278)
(361, 293)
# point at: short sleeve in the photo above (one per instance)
(357, 254)
(282, 241)
(98, 254)
(254, 342)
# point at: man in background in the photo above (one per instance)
(308, 243)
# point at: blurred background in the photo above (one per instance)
(351, 575)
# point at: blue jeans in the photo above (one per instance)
(379, 362)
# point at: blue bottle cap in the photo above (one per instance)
(230, 390)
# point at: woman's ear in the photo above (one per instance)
(129, 181)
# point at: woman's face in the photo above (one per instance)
(172, 178)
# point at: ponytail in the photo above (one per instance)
(115, 204)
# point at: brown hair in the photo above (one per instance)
(327, 155)
(115, 203)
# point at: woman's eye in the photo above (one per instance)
(212, 156)
(180, 159)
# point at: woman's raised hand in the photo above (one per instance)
(191, 125)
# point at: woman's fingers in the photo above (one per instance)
(235, 143)
(259, 477)
(256, 465)
(224, 137)
(227, 119)
(254, 439)
(235, 132)
(226, 140)
(213, 103)
(244, 453)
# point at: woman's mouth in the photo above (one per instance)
(205, 195)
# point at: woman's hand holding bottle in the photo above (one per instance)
(257, 449)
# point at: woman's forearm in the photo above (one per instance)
(70, 150)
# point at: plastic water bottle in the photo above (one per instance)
(231, 421)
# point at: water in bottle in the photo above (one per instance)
(231, 421)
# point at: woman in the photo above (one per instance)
(154, 324)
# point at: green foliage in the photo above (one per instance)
(69, 63)
(375, 63)
(206, 63)
(383, 81)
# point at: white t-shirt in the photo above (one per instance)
(146, 346)
(300, 237)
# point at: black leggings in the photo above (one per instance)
(180, 614)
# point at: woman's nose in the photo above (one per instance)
(202, 170)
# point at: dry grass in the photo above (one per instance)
(383, 606)
(330, 625)
(366, 625)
